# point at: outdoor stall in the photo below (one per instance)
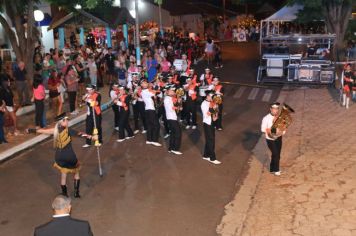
(293, 54)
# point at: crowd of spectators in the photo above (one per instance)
(60, 75)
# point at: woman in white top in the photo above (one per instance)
(209, 50)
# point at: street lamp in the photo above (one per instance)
(39, 16)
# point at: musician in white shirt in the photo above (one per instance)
(171, 108)
(274, 144)
(152, 122)
(114, 98)
(209, 129)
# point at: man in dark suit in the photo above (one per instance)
(62, 223)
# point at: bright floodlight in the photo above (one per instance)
(78, 7)
(116, 3)
(299, 39)
(38, 14)
(133, 13)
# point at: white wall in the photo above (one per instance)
(190, 23)
(149, 12)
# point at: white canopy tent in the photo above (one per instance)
(286, 14)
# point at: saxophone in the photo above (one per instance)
(282, 122)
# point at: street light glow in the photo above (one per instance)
(133, 13)
(78, 7)
(38, 14)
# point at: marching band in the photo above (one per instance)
(172, 99)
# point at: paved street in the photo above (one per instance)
(145, 190)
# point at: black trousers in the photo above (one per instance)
(71, 99)
(2, 134)
(275, 146)
(39, 109)
(191, 112)
(209, 149)
(124, 124)
(89, 127)
(218, 122)
(152, 126)
(115, 109)
(175, 139)
(139, 113)
(162, 113)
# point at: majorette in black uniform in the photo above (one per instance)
(124, 109)
(93, 102)
(348, 85)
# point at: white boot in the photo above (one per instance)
(347, 103)
(343, 100)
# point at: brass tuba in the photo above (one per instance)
(282, 122)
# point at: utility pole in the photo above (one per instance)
(137, 36)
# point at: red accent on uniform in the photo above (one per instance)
(122, 100)
(97, 108)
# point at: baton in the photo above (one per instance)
(97, 144)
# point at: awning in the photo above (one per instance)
(287, 13)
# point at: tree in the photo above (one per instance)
(335, 13)
(25, 34)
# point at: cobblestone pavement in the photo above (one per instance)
(316, 193)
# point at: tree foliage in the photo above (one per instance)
(335, 13)
(25, 34)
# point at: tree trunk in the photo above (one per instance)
(23, 38)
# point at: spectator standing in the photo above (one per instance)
(209, 50)
(93, 70)
(54, 84)
(121, 73)
(110, 65)
(19, 73)
(9, 100)
(151, 65)
(217, 57)
(2, 111)
(62, 223)
(39, 96)
(71, 80)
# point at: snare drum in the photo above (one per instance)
(202, 90)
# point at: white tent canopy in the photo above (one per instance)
(287, 13)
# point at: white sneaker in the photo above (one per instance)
(144, 131)
(166, 136)
(86, 145)
(206, 158)
(156, 144)
(120, 140)
(278, 173)
(177, 152)
(116, 128)
(194, 127)
(147, 142)
(216, 162)
(136, 131)
(187, 127)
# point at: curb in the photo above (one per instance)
(12, 152)
(236, 211)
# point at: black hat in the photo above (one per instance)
(90, 86)
(210, 92)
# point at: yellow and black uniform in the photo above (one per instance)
(65, 159)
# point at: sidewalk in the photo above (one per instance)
(316, 193)
(19, 143)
